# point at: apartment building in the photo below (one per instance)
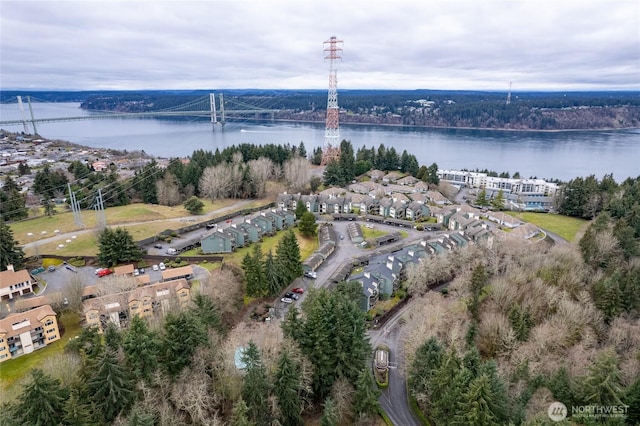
(144, 301)
(24, 332)
(14, 283)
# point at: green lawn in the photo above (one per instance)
(14, 369)
(565, 226)
(307, 246)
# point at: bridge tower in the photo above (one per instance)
(331, 148)
(212, 105)
(509, 95)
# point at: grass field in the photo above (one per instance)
(307, 246)
(565, 226)
(121, 215)
(14, 369)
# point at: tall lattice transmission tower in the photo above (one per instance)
(331, 149)
(509, 95)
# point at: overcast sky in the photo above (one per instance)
(278, 44)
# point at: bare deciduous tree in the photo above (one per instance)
(168, 190)
(297, 172)
(215, 182)
(260, 171)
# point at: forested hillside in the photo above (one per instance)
(526, 110)
(523, 325)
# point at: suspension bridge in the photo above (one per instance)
(218, 112)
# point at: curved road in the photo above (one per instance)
(394, 399)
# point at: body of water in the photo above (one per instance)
(561, 155)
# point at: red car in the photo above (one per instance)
(105, 272)
(297, 290)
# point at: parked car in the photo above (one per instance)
(71, 268)
(158, 246)
(298, 290)
(136, 272)
(311, 274)
(155, 267)
(161, 266)
(141, 271)
(51, 268)
(292, 296)
(104, 272)
(286, 300)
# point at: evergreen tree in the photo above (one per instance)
(141, 348)
(207, 312)
(474, 405)
(432, 174)
(428, 359)
(329, 413)
(253, 272)
(46, 182)
(10, 251)
(287, 389)
(365, 398)
(307, 225)
(112, 337)
(347, 161)
(632, 400)
(144, 182)
(12, 201)
(498, 201)
(481, 199)
(88, 344)
(76, 412)
(140, 418)
(255, 386)
(333, 175)
(302, 151)
(193, 205)
(49, 207)
(273, 276)
(110, 388)
(288, 257)
(240, 413)
(603, 385)
(183, 334)
(479, 280)
(116, 247)
(41, 401)
(301, 209)
(332, 335)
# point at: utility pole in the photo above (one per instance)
(75, 207)
(101, 221)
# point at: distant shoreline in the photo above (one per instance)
(490, 129)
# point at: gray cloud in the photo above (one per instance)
(404, 44)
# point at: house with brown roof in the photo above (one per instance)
(14, 283)
(123, 270)
(175, 273)
(24, 332)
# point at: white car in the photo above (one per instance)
(136, 272)
(161, 266)
(155, 267)
(286, 300)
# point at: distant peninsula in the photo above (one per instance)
(523, 111)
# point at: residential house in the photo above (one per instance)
(416, 211)
(408, 180)
(437, 198)
(311, 202)
(239, 235)
(397, 210)
(376, 175)
(355, 233)
(217, 241)
(421, 187)
(14, 283)
(254, 233)
(265, 224)
(24, 332)
(391, 177)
